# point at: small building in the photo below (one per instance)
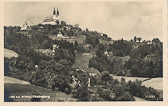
(36, 66)
(55, 46)
(93, 74)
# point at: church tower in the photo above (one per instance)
(56, 15)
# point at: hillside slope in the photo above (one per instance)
(156, 83)
(82, 61)
(15, 81)
(15, 87)
(9, 53)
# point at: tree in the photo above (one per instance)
(156, 40)
(105, 36)
(105, 94)
(87, 29)
(139, 39)
(109, 39)
(6, 69)
(82, 93)
(135, 38)
(61, 82)
(105, 77)
(76, 44)
(121, 48)
(63, 23)
(126, 96)
(46, 44)
(93, 40)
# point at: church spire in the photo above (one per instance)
(54, 12)
(57, 12)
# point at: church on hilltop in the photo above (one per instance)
(54, 20)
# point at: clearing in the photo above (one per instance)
(15, 81)
(9, 53)
(156, 83)
(15, 87)
(82, 61)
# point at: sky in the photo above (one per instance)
(116, 19)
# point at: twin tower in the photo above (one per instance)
(54, 20)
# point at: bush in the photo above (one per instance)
(82, 94)
(126, 96)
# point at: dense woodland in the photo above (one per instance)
(125, 59)
(121, 57)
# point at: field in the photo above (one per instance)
(16, 89)
(156, 83)
(10, 80)
(9, 53)
(82, 61)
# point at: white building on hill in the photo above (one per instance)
(59, 35)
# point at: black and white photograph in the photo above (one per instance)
(83, 51)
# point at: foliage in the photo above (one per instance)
(105, 77)
(136, 89)
(92, 40)
(121, 48)
(82, 93)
